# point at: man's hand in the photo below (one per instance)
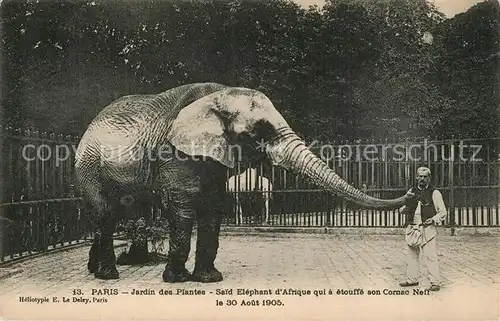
(410, 194)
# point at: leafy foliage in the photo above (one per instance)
(140, 232)
(467, 69)
(353, 69)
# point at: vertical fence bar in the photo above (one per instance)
(9, 197)
(43, 195)
(20, 182)
(451, 183)
(271, 194)
(497, 193)
(407, 167)
(491, 182)
(27, 156)
(3, 232)
(37, 195)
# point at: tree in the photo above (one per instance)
(58, 55)
(353, 69)
(467, 72)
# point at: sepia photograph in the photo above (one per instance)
(249, 160)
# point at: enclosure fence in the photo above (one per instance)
(42, 208)
(465, 171)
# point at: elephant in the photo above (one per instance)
(250, 181)
(180, 143)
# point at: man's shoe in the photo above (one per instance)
(405, 284)
(435, 287)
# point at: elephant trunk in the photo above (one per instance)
(289, 151)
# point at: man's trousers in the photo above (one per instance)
(430, 260)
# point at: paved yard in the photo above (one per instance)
(264, 263)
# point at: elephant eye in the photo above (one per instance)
(264, 129)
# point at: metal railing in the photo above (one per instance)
(466, 171)
(31, 227)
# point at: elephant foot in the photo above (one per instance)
(207, 275)
(171, 276)
(107, 273)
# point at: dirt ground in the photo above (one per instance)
(265, 263)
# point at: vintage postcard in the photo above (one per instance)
(249, 160)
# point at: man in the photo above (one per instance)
(425, 210)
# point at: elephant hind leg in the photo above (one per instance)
(105, 251)
(102, 259)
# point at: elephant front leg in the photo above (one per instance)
(181, 226)
(207, 244)
(179, 248)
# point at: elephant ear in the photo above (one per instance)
(199, 130)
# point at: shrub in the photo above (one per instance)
(139, 234)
